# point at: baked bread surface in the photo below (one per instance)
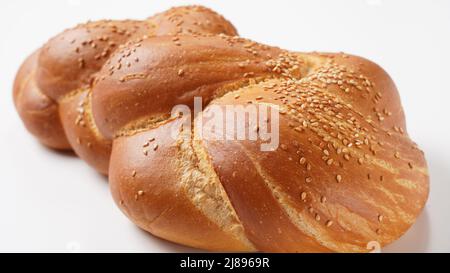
(345, 172)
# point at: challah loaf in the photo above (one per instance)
(345, 172)
(52, 88)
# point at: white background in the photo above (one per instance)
(54, 202)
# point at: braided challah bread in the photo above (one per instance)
(52, 90)
(345, 172)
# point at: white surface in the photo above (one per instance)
(52, 201)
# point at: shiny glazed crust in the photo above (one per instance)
(345, 173)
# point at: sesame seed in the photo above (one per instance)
(302, 160)
(155, 147)
(338, 178)
(323, 199)
(317, 217)
(308, 180)
(329, 223)
(140, 193)
(330, 161)
(303, 196)
(81, 63)
(133, 174)
(410, 165)
(180, 72)
(380, 218)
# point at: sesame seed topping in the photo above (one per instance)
(303, 196)
(302, 160)
(380, 218)
(308, 180)
(81, 63)
(329, 223)
(338, 178)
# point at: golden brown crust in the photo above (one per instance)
(191, 20)
(166, 210)
(70, 60)
(83, 136)
(345, 173)
(54, 75)
(38, 112)
(341, 190)
(161, 66)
